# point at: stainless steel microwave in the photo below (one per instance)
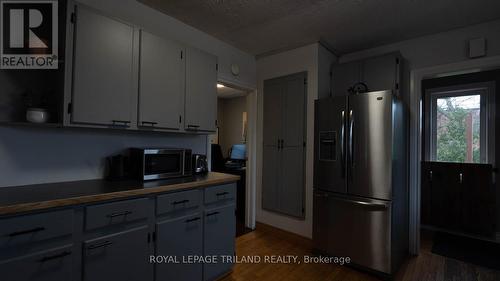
(160, 163)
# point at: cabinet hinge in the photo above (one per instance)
(70, 108)
(180, 118)
(397, 86)
(397, 60)
(181, 54)
(73, 17)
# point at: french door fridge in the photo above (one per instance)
(360, 179)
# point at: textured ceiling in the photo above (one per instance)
(263, 26)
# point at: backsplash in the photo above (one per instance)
(45, 155)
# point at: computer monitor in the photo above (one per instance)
(238, 152)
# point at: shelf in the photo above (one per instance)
(28, 124)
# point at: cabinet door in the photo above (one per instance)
(292, 182)
(201, 91)
(120, 256)
(179, 238)
(103, 70)
(49, 265)
(478, 204)
(294, 111)
(220, 224)
(271, 175)
(161, 90)
(273, 115)
(344, 76)
(446, 195)
(381, 73)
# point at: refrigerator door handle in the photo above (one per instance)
(363, 203)
(342, 143)
(351, 148)
(321, 194)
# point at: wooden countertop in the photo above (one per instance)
(28, 198)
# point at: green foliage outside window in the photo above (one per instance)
(451, 145)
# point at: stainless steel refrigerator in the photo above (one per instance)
(360, 180)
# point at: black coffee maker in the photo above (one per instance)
(118, 167)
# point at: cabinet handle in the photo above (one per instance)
(222, 193)
(120, 123)
(212, 214)
(193, 219)
(152, 124)
(17, 233)
(58, 256)
(180, 202)
(119, 214)
(103, 244)
(193, 127)
(461, 178)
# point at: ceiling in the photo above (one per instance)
(265, 26)
(228, 93)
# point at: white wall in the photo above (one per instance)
(40, 155)
(325, 61)
(293, 61)
(441, 48)
(159, 23)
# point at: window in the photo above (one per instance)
(458, 124)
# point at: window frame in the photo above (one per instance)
(486, 133)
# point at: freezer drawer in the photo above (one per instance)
(358, 228)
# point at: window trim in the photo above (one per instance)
(487, 130)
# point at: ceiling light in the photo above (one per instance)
(220, 86)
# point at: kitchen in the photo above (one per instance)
(143, 74)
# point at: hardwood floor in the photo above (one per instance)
(267, 240)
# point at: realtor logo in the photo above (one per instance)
(29, 32)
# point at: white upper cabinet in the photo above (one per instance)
(124, 77)
(161, 83)
(104, 88)
(201, 91)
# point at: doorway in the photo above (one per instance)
(459, 203)
(230, 144)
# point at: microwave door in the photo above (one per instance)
(163, 165)
(330, 138)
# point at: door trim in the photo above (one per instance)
(251, 169)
